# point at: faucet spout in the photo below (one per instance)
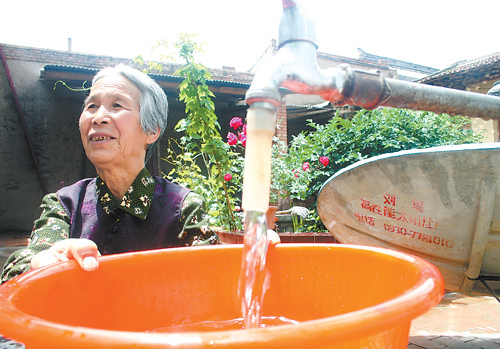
(294, 66)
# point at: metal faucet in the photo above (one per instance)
(295, 68)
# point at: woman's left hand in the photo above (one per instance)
(273, 237)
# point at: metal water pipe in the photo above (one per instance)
(295, 67)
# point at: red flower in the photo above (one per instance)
(228, 177)
(232, 139)
(305, 166)
(324, 160)
(243, 139)
(245, 130)
(235, 122)
(296, 173)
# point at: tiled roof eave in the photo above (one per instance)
(464, 68)
(54, 72)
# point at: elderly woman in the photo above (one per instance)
(125, 208)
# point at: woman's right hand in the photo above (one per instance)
(83, 251)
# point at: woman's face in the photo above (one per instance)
(109, 124)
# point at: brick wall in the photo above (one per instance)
(281, 123)
(14, 52)
(282, 134)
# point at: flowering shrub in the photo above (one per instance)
(299, 170)
(221, 187)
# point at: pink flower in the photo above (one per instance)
(235, 122)
(232, 139)
(228, 177)
(324, 160)
(243, 139)
(296, 173)
(245, 130)
(305, 166)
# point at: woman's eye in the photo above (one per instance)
(91, 106)
(117, 105)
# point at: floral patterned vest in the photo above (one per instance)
(120, 232)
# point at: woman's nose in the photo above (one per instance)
(101, 116)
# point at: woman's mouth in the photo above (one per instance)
(100, 139)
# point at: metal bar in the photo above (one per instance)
(490, 289)
(23, 122)
(404, 94)
(489, 277)
(484, 278)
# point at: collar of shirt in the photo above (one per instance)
(136, 201)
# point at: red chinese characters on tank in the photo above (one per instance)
(388, 209)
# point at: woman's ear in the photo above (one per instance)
(153, 136)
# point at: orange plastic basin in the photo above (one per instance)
(345, 297)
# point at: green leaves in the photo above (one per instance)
(200, 159)
(187, 48)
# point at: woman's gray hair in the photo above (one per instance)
(153, 102)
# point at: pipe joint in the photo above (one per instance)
(364, 89)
